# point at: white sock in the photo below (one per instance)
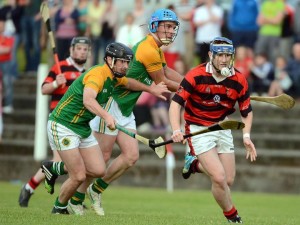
(28, 188)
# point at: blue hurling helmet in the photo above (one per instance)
(159, 16)
(221, 45)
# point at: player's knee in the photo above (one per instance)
(219, 179)
(79, 177)
(132, 158)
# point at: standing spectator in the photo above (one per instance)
(6, 48)
(96, 10)
(31, 30)
(270, 23)
(109, 24)
(282, 82)
(129, 33)
(209, 96)
(66, 20)
(242, 22)
(141, 14)
(207, 19)
(83, 14)
(72, 67)
(287, 32)
(297, 22)
(184, 11)
(14, 10)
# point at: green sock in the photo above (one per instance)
(60, 205)
(77, 198)
(99, 185)
(58, 168)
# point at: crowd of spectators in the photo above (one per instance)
(266, 35)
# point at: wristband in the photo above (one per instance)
(177, 131)
(246, 135)
(54, 84)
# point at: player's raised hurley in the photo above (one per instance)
(283, 101)
(44, 10)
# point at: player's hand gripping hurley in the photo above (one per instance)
(44, 10)
(158, 144)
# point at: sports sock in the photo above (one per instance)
(99, 185)
(77, 198)
(60, 205)
(58, 168)
(231, 213)
(32, 185)
(194, 167)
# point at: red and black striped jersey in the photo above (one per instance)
(207, 101)
(71, 72)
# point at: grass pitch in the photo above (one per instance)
(145, 206)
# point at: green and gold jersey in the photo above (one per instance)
(148, 57)
(70, 110)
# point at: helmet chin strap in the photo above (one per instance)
(163, 41)
(116, 74)
(225, 71)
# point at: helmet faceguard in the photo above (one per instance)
(163, 15)
(117, 51)
(222, 45)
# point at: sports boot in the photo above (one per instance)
(50, 177)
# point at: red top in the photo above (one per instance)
(71, 72)
(6, 42)
(206, 101)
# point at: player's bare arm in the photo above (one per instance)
(174, 115)
(159, 76)
(90, 102)
(157, 90)
(49, 88)
(173, 75)
(249, 146)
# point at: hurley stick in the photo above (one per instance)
(44, 10)
(283, 101)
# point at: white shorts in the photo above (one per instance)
(98, 124)
(62, 138)
(201, 143)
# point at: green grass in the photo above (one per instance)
(139, 206)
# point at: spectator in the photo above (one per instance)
(242, 22)
(66, 20)
(184, 11)
(13, 10)
(297, 22)
(243, 60)
(83, 13)
(282, 82)
(31, 30)
(208, 19)
(96, 10)
(129, 33)
(262, 74)
(270, 19)
(287, 32)
(6, 48)
(109, 25)
(293, 69)
(141, 14)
